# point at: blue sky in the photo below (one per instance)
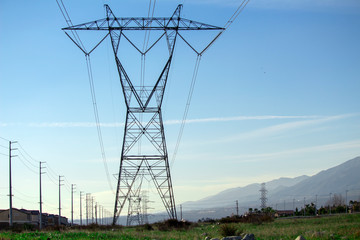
(276, 96)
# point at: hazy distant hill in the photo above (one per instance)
(244, 195)
(338, 179)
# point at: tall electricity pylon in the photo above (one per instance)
(143, 106)
(263, 197)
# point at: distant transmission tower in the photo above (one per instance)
(144, 120)
(145, 207)
(137, 212)
(263, 197)
(88, 208)
(134, 212)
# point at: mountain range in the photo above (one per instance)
(282, 193)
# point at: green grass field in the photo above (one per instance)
(329, 227)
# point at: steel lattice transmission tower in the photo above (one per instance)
(263, 197)
(143, 107)
(134, 211)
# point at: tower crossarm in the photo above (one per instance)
(143, 23)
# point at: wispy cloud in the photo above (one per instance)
(355, 144)
(285, 154)
(239, 118)
(284, 127)
(73, 124)
(168, 122)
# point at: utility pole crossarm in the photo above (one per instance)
(142, 23)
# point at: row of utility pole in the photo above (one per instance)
(101, 213)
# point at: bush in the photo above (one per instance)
(172, 224)
(232, 219)
(145, 227)
(255, 218)
(230, 230)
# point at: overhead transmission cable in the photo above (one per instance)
(52, 179)
(68, 21)
(143, 61)
(22, 149)
(33, 171)
(4, 146)
(5, 139)
(23, 200)
(187, 106)
(51, 171)
(196, 70)
(147, 32)
(97, 119)
(227, 25)
(29, 164)
(52, 175)
(79, 43)
(25, 195)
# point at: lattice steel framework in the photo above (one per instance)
(134, 211)
(143, 108)
(263, 197)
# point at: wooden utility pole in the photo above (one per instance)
(92, 209)
(96, 222)
(72, 204)
(10, 185)
(304, 206)
(330, 203)
(237, 208)
(60, 180)
(80, 208)
(181, 212)
(40, 191)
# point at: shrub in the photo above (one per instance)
(229, 230)
(254, 218)
(145, 227)
(172, 224)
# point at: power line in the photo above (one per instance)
(27, 154)
(22, 155)
(5, 139)
(147, 32)
(22, 199)
(79, 43)
(52, 179)
(199, 54)
(187, 106)
(97, 119)
(25, 195)
(236, 13)
(51, 171)
(68, 21)
(27, 165)
(227, 25)
(66, 181)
